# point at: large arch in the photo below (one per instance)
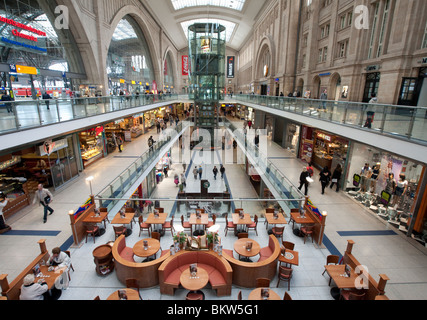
(315, 93)
(137, 15)
(267, 43)
(174, 60)
(335, 87)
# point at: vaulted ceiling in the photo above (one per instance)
(238, 16)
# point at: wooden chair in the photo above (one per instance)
(229, 225)
(161, 210)
(242, 235)
(262, 283)
(287, 297)
(144, 226)
(169, 226)
(238, 210)
(278, 232)
(285, 274)
(71, 265)
(118, 231)
(292, 220)
(211, 223)
(195, 296)
(97, 298)
(352, 295)
(133, 284)
(307, 231)
(155, 235)
(331, 259)
(239, 296)
(288, 245)
(254, 225)
(91, 230)
(186, 224)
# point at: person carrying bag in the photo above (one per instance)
(45, 198)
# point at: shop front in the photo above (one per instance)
(93, 145)
(329, 150)
(389, 185)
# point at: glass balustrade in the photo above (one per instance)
(399, 121)
(28, 114)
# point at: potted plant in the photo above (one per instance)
(180, 238)
(212, 238)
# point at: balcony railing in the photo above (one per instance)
(35, 113)
(405, 122)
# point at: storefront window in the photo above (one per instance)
(129, 63)
(397, 191)
(92, 145)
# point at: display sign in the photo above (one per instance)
(49, 147)
(22, 36)
(26, 70)
(185, 65)
(324, 137)
(230, 67)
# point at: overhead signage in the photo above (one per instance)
(22, 36)
(230, 67)
(49, 147)
(26, 70)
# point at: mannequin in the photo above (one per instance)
(401, 188)
(376, 171)
(365, 173)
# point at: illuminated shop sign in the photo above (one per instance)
(324, 137)
(22, 36)
(230, 67)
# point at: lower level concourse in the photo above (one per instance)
(381, 248)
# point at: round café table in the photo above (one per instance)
(131, 294)
(240, 248)
(196, 283)
(256, 295)
(152, 248)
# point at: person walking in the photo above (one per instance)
(120, 144)
(324, 97)
(195, 171)
(151, 143)
(158, 126)
(183, 180)
(200, 172)
(44, 197)
(46, 97)
(8, 99)
(176, 179)
(215, 172)
(303, 180)
(325, 176)
(336, 177)
(222, 170)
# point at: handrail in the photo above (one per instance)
(27, 114)
(405, 122)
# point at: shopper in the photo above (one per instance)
(200, 172)
(325, 177)
(195, 171)
(336, 177)
(44, 197)
(31, 290)
(46, 97)
(183, 180)
(324, 97)
(165, 171)
(3, 203)
(8, 99)
(120, 143)
(176, 179)
(310, 170)
(151, 143)
(215, 172)
(222, 170)
(303, 180)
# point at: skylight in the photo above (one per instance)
(124, 31)
(232, 4)
(229, 26)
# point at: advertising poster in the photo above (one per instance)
(185, 65)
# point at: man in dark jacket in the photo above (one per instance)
(7, 98)
(46, 97)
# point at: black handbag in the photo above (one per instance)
(47, 200)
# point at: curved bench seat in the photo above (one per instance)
(219, 270)
(126, 268)
(246, 273)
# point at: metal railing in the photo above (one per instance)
(399, 121)
(284, 187)
(122, 184)
(26, 114)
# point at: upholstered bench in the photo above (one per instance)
(219, 270)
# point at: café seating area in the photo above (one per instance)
(144, 266)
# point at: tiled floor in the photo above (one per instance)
(402, 259)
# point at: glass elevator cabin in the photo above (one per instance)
(207, 73)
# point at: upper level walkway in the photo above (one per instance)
(397, 129)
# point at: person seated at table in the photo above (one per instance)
(31, 290)
(61, 260)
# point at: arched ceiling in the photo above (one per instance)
(173, 14)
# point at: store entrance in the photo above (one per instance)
(263, 89)
(64, 168)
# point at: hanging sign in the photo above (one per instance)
(185, 65)
(230, 67)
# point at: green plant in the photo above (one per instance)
(180, 238)
(212, 237)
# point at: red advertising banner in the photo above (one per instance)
(185, 65)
